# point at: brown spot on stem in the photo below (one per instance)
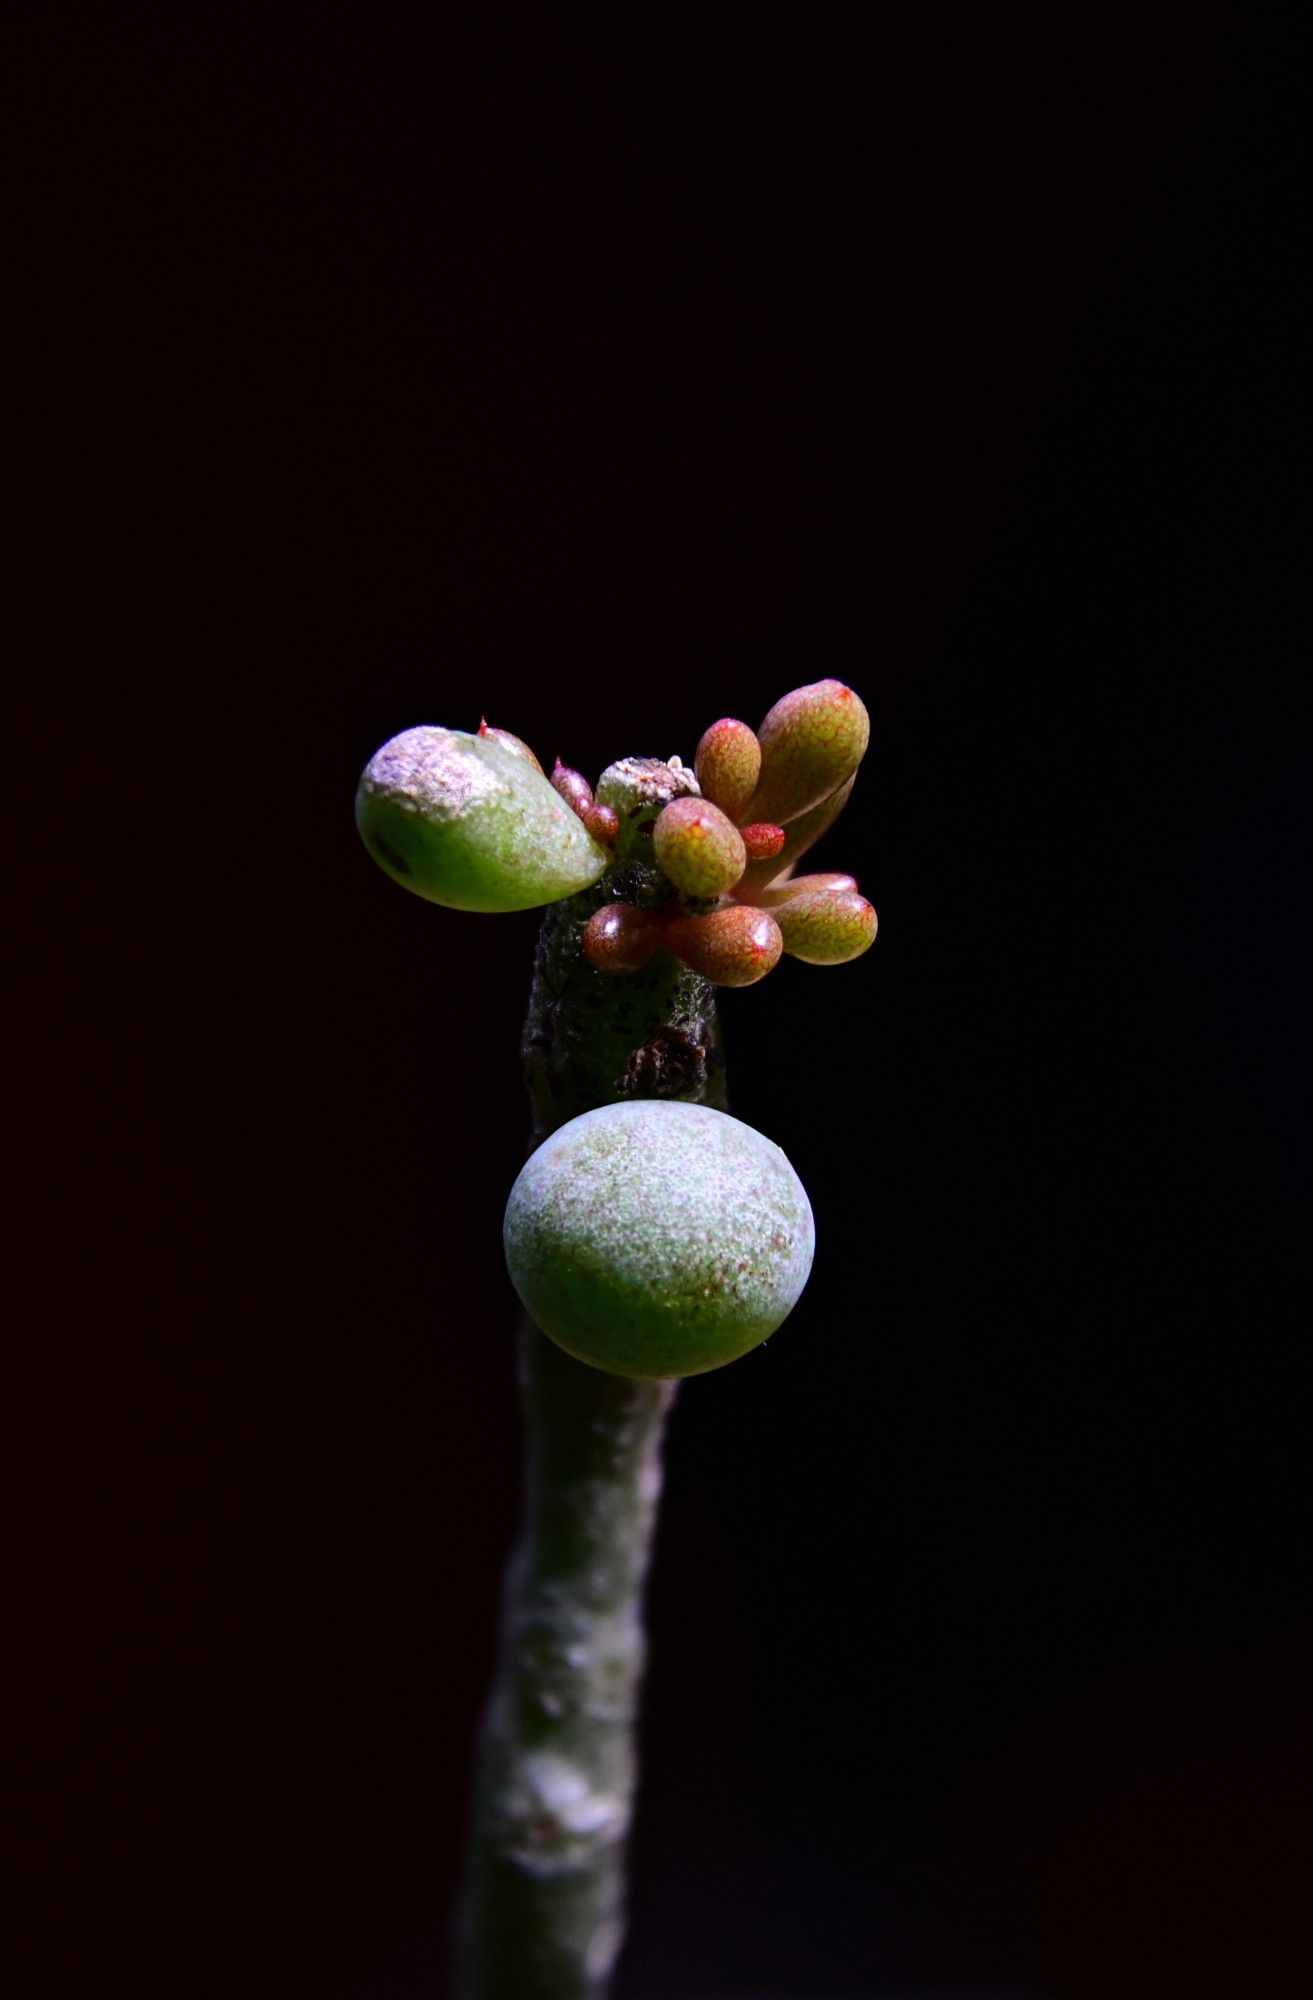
(668, 1064)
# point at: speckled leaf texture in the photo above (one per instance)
(658, 1239)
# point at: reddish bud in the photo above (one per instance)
(763, 841)
(698, 847)
(603, 822)
(811, 742)
(621, 938)
(826, 926)
(735, 946)
(516, 746)
(573, 787)
(728, 764)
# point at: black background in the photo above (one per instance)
(605, 371)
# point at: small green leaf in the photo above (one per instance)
(826, 926)
(463, 821)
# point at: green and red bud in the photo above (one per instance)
(826, 926)
(728, 765)
(621, 938)
(698, 847)
(734, 946)
(811, 742)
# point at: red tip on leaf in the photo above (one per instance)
(515, 744)
(621, 938)
(573, 787)
(763, 841)
(603, 822)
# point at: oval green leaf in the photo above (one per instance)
(464, 822)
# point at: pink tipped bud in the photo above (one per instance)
(573, 787)
(728, 764)
(763, 841)
(698, 847)
(826, 926)
(811, 743)
(621, 938)
(603, 822)
(514, 744)
(735, 946)
(799, 885)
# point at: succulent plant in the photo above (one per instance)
(650, 1235)
(472, 822)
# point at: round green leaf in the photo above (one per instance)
(659, 1239)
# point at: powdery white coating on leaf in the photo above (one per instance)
(657, 1238)
(435, 772)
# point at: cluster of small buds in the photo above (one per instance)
(765, 797)
(474, 822)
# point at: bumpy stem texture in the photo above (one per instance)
(544, 1910)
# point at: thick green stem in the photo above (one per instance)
(544, 1910)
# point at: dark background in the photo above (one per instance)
(605, 371)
